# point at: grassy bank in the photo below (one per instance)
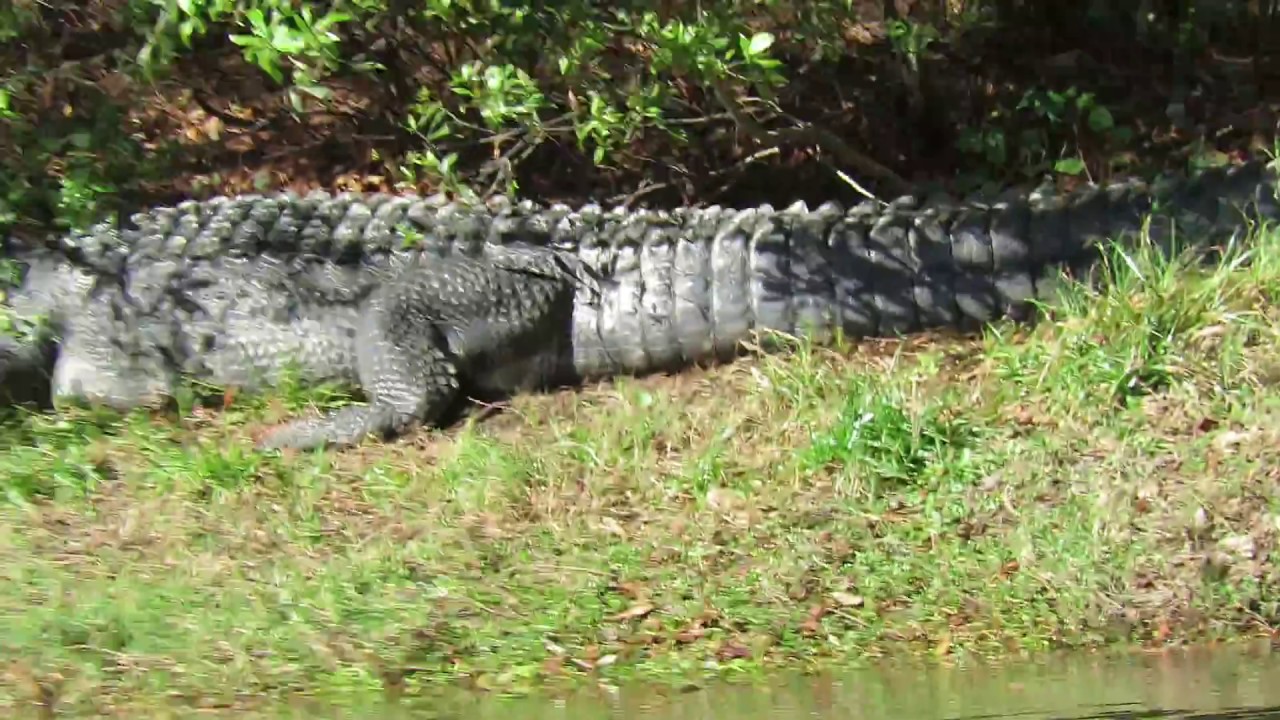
(1106, 477)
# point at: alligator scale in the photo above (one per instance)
(417, 301)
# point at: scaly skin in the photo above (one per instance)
(415, 300)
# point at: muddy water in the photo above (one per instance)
(1242, 682)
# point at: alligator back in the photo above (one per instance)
(199, 287)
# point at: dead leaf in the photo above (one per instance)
(733, 651)
(115, 85)
(1230, 439)
(687, 636)
(213, 127)
(613, 527)
(723, 499)
(553, 666)
(1162, 630)
(635, 611)
(813, 623)
(944, 645)
(633, 590)
(845, 599)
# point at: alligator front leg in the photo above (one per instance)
(406, 370)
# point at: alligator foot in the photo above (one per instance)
(407, 384)
(341, 428)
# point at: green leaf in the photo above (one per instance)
(1070, 166)
(1100, 119)
(256, 19)
(319, 92)
(760, 42)
(1209, 159)
(329, 21)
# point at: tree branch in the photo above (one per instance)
(810, 135)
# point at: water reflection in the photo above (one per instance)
(1226, 683)
(1241, 682)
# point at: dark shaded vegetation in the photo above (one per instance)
(111, 103)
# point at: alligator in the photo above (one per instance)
(416, 301)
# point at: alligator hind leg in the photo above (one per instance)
(419, 335)
(405, 368)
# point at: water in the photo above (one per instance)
(1234, 683)
(1241, 682)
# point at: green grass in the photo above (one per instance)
(1105, 477)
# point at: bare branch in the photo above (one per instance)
(809, 134)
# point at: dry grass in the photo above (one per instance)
(1106, 477)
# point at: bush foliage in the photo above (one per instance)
(111, 101)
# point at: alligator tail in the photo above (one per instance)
(689, 286)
